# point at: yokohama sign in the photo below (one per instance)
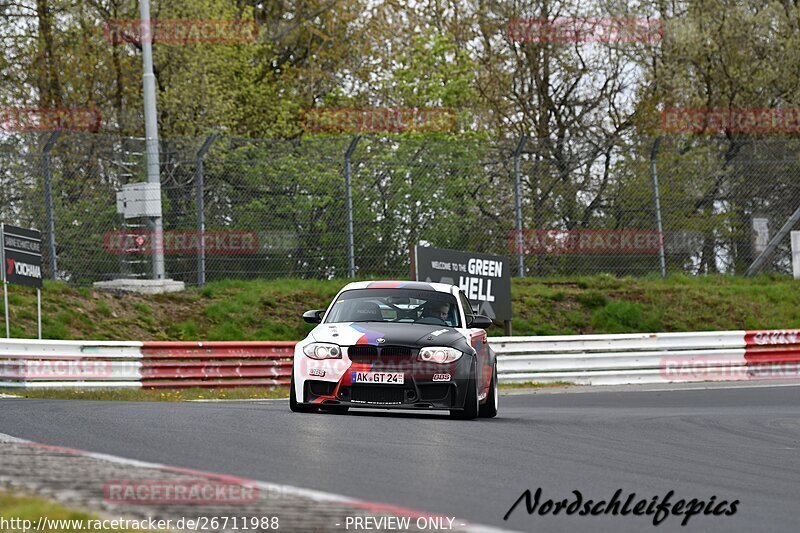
(22, 256)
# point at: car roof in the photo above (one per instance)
(396, 284)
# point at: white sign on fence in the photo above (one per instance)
(796, 254)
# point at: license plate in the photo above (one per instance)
(389, 378)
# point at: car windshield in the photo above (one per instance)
(395, 305)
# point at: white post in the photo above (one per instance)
(796, 254)
(39, 310)
(5, 284)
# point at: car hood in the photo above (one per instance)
(392, 333)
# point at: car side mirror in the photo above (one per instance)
(480, 321)
(314, 316)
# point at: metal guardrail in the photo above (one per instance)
(581, 359)
(84, 364)
(649, 357)
(216, 364)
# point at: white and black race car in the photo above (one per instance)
(396, 344)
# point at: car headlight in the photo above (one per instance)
(438, 354)
(322, 350)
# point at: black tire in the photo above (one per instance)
(471, 406)
(294, 405)
(489, 408)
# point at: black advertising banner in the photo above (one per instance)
(485, 279)
(22, 256)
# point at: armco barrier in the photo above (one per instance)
(216, 364)
(50, 364)
(649, 357)
(83, 364)
(582, 359)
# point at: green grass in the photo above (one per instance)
(534, 385)
(271, 309)
(154, 395)
(24, 507)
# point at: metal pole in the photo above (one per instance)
(39, 310)
(48, 203)
(351, 248)
(5, 283)
(657, 199)
(519, 241)
(759, 261)
(201, 219)
(151, 132)
(5, 303)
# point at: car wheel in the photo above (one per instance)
(293, 403)
(489, 409)
(471, 406)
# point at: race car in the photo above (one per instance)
(396, 345)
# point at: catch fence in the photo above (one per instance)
(342, 206)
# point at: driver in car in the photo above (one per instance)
(437, 310)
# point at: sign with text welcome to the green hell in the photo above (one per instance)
(22, 255)
(485, 279)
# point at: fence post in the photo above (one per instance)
(351, 247)
(201, 220)
(48, 203)
(518, 240)
(657, 200)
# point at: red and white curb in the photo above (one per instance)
(266, 487)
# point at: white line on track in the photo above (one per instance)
(243, 400)
(651, 387)
(275, 488)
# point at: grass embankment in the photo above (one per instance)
(22, 507)
(271, 309)
(154, 395)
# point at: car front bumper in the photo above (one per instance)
(427, 386)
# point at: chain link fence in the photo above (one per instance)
(344, 206)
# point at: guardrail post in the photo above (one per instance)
(351, 247)
(657, 200)
(48, 203)
(518, 240)
(201, 221)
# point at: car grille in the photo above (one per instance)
(377, 395)
(385, 354)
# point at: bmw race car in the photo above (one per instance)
(396, 344)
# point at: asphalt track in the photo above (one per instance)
(736, 444)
